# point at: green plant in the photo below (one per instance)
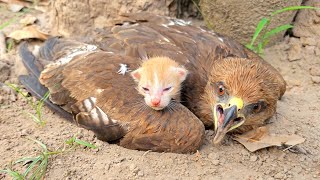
(36, 105)
(74, 141)
(14, 19)
(37, 165)
(262, 32)
(10, 45)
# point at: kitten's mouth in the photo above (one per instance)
(157, 108)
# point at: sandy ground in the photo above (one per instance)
(297, 113)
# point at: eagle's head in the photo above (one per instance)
(241, 93)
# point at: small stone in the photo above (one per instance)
(308, 41)
(25, 132)
(279, 175)
(244, 152)
(253, 158)
(295, 53)
(107, 167)
(12, 97)
(315, 71)
(132, 167)
(15, 7)
(136, 170)
(309, 50)
(315, 176)
(294, 82)
(140, 174)
(213, 156)
(215, 162)
(315, 79)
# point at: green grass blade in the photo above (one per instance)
(10, 45)
(260, 49)
(19, 91)
(292, 8)
(30, 167)
(70, 141)
(14, 19)
(45, 97)
(249, 46)
(14, 174)
(34, 118)
(7, 23)
(277, 30)
(262, 23)
(84, 143)
(41, 144)
(41, 169)
(24, 160)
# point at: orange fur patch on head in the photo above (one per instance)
(160, 78)
(163, 72)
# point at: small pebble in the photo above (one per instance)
(279, 175)
(132, 167)
(215, 162)
(213, 156)
(253, 158)
(315, 79)
(140, 174)
(136, 170)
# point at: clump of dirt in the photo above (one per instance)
(239, 18)
(308, 27)
(298, 111)
(97, 14)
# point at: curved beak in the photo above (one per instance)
(227, 117)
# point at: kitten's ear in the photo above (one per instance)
(136, 74)
(182, 73)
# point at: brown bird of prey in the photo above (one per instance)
(228, 87)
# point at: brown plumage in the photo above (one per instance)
(227, 85)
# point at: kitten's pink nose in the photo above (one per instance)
(155, 102)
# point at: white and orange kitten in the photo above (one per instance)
(159, 81)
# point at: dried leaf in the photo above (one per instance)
(28, 20)
(15, 7)
(28, 32)
(260, 138)
(18, 2)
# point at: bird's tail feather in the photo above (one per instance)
(46, 51)
(31, 81)
(29, 60)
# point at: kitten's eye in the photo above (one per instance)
(145, 89)
(167, 89)
(221, 90)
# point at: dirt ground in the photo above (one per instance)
(298, 113)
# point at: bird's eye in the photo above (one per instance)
(167, 89)
(221, 90)
(256, 107)
(145, 89)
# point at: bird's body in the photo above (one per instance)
(223, 77)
